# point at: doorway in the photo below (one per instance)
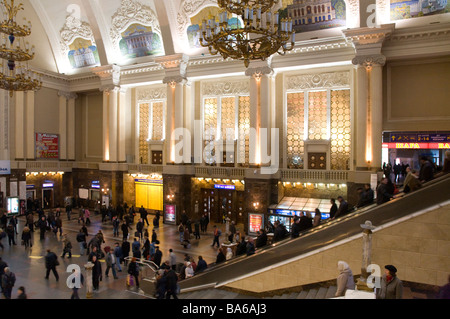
(47, 198)
(219, 204)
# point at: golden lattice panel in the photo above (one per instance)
(340, 130)
(228, 117)
(244, 129)
(317, 115)
(157, 121)
(144, 117)
(295, 129)
(210, 128)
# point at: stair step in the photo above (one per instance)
(331, 292)
(321, 293)
(302, 295)
(311, 294)
(293, 295)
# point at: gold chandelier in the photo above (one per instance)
(261, 34)
(14, 72)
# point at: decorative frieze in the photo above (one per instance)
(318, 81)
(229, 87)
(151, 94)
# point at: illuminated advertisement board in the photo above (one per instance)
(12, 204)
(170, 215)
(255, 223)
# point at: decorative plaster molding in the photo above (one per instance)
(68, 95)
(108, 73)
(230, 87)
(318, 81)
(188, 9)
(368, 61)
(74, 28)
(131, 11)
(150, 94)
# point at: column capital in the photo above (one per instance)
(111, 88)
(68, 95)
(174, 80)
(369, 61)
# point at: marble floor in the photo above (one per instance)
(29, 265)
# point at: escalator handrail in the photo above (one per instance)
(329, 223)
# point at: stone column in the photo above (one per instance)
(368, 43)
(71, 127)
(30, 134)
(366, 256)
(88, 280)
(110, 123)
(175, 69)
(67, 125)
(19, 125)
(261, 84)
(361, 117)
(370, 106)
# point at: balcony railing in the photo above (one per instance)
(315, 175)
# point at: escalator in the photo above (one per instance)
(432, 194)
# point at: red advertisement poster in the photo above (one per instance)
(255, 223)
(47, 146)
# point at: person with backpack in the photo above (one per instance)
(8, 282)
(81, 239)
(217, 234)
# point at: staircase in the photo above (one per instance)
(216, 293)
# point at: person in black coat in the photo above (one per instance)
(384, 193)
(295, 232)
(343, 208)
(126, 247)
(96, 272)
(171, 283)
(157, 257)
(426, 172)
(250, 247)
(51, 261)
(133, 270)
(333, 208)
(241, 248)
(221, 256)
(305, 222)
(261, 240)
(201, 265)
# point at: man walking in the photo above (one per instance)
(8, 282)
(51, 261)
(217, 234)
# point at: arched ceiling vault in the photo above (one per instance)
(75, 36)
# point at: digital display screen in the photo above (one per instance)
(12, 206)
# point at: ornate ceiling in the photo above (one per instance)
(73, 36)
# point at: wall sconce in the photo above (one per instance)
(170, 198)
(256, 205)
(173, 84)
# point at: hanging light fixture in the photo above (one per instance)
(261, 35)
(15, 52)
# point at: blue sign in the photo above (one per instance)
(232, 187)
